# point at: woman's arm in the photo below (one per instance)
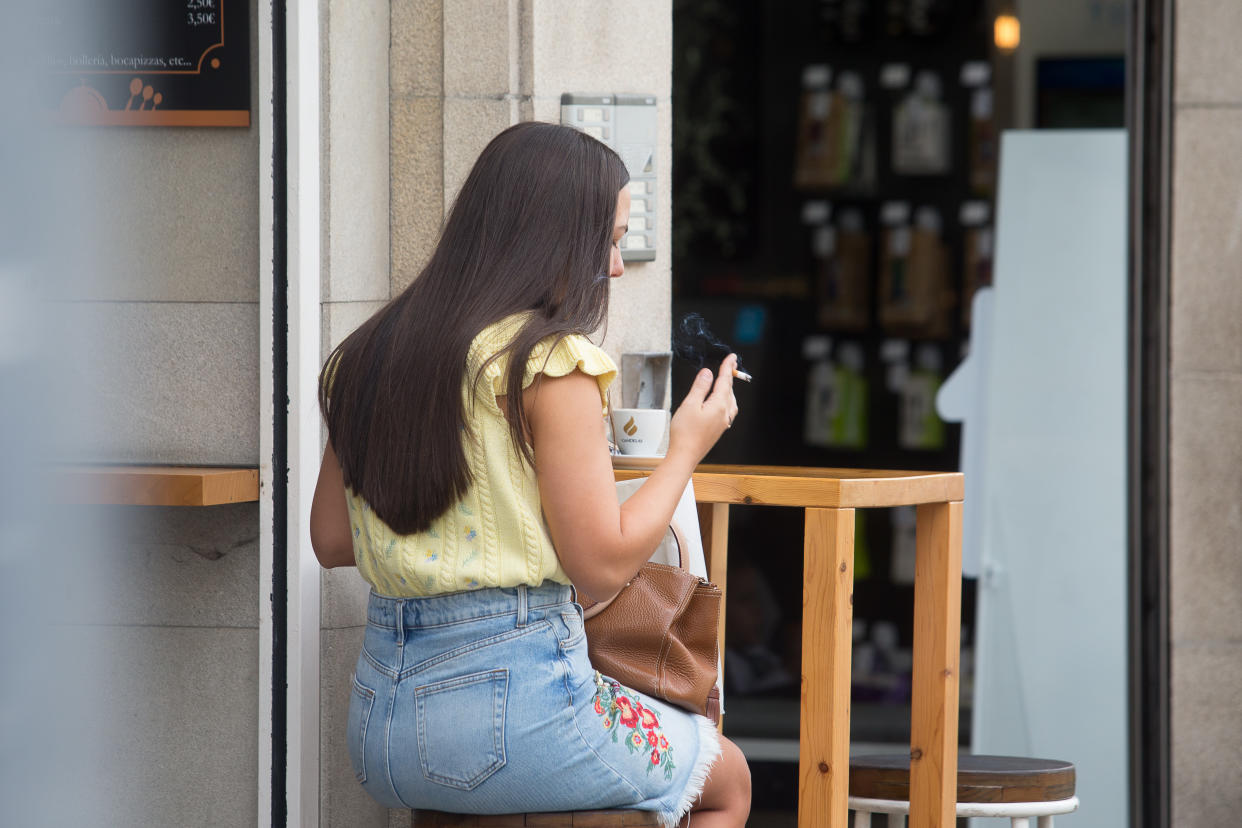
(329, 517)
(601, 543)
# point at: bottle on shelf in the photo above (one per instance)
(842, 253)
(982, 148)
(916, 298)
(921, 130)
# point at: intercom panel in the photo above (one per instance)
(628, 124)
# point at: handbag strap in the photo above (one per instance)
(679, 538)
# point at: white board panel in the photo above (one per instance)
(1045, 439)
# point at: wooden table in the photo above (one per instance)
(830, 497)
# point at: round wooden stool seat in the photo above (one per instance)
(555, 819)
(979, 778)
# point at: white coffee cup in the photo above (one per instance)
(639, 431)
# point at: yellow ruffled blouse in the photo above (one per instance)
(495, 536)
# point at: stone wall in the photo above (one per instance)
(455, 73)
(1206, 441)
(168, 623)
(354, 270)
(157, 322)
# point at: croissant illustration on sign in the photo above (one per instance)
(186, 65)
(147, 93)
(630, 427)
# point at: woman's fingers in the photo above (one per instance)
(723, 389)
(700, 387)
(722, 394)
(707, 410)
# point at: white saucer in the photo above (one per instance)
(636, 461)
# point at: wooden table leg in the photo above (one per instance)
(937, 643)
(714, 528)
(827, 618)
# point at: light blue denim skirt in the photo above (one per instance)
(485, 702)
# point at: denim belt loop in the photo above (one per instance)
(400, 623)
(521, 605)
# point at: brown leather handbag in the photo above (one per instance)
(658, 634)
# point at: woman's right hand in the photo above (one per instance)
(706, 412)
(601, 543)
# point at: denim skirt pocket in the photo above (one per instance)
(361, 702)
(570, 630)
(461, 728)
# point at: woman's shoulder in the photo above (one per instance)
(573, 352)
(558, 356)
(555, 355)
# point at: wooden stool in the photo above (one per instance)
(987, 786)
(557, 819)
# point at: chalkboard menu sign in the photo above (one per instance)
(148, 62)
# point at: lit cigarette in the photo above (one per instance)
(742, 375)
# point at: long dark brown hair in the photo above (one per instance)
(531, 230)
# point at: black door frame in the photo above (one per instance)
(1149, 114)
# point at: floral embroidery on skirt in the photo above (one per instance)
(619, 711)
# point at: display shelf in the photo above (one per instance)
(156, 485)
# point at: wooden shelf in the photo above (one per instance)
(157, 485)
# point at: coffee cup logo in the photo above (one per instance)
(638, 431)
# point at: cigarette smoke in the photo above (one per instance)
(694, 342)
